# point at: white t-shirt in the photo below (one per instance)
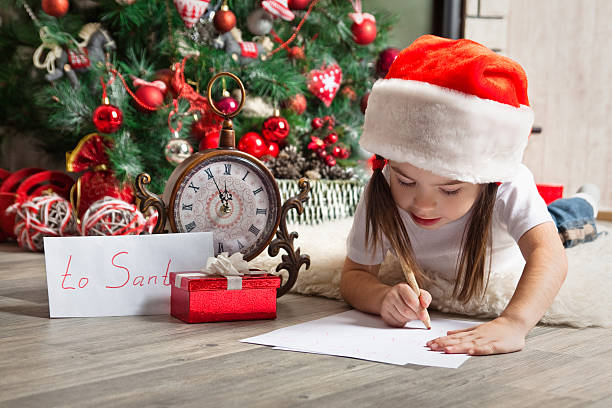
(518, 208)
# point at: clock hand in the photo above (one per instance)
(228, 196)
(219, 190)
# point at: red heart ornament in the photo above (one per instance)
(324, 84)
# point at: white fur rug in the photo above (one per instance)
(584, 299)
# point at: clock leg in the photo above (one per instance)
(146, 199)
(293, 260)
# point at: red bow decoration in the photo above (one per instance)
(97, 181)
(377, 162)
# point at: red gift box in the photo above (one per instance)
(550, 192)
(198, 298)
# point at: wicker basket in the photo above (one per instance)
(328, 200)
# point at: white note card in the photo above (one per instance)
(364, 336)
(121, 275)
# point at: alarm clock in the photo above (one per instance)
(231, 193)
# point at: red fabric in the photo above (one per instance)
(464, 66)
(248, 49)
(200, 300)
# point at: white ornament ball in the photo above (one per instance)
(177, 150)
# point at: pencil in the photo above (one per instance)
(409, 275)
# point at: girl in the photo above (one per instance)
(449, 124)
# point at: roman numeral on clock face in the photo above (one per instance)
(261, 211)
(259, 190)
(254, 229)
(187, 207)
(220, 247)
(228, 169)
(195, 188)
(189, 227)
(240, 244)
(209, 173)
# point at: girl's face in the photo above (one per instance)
(431, 200)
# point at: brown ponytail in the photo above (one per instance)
(383, 219)
(475, 241)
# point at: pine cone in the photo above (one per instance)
(289, 164)
(315, 164)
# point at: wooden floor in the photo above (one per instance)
(159, 361)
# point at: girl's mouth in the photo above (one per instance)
(424, 221)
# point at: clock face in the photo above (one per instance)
(231, 196)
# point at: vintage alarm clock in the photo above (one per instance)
(232, 194)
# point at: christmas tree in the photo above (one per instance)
(136, 72)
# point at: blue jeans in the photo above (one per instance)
(574, 219)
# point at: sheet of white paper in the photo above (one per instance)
(119, 276)
(367, 337)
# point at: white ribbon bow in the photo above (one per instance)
(232, 267)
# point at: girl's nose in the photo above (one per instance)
(424, 202)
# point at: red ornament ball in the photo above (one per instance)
(55, 8)
(331, 138)
(316, 123)
(275, 129)
(273, 149)
(330, 161)
(227, 105)
(297, 104)
(107, 118)
(340, 152)
(365, 32)
(211, 141)
(364, 102)
(298, 4)
(224, 20)
(329, 121)
(253, 144)
(150, 96)
(385, 59)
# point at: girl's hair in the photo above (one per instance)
(383, 219)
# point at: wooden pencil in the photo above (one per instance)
(409, 275)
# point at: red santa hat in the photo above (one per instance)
(452, 107)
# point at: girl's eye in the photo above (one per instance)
(451, 192)
(405, 183)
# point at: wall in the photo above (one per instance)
(414, 18)
(564, 46)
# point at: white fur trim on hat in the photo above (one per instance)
(449, 133)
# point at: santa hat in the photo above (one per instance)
(452, 107)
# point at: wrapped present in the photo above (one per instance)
(550, 192)
(97, 180)
(221, 294)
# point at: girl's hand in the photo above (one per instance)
(501, 335)
(401, 305)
